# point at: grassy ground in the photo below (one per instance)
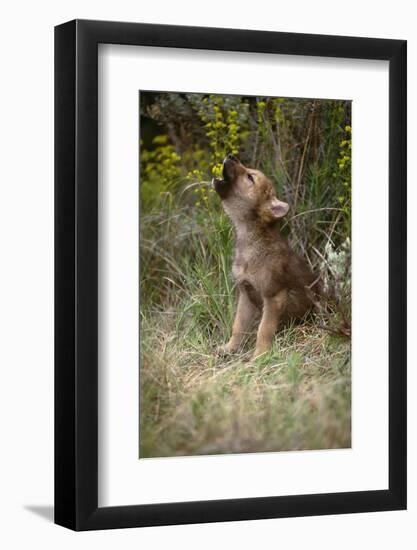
(193, 402)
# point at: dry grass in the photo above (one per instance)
(194, 403)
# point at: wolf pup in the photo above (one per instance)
(271, 278)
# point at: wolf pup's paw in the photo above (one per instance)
(225, 350)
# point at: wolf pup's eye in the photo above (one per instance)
(251, 178)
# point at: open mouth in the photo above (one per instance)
(222, 186)
(229, 166)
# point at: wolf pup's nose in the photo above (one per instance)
(231, 157)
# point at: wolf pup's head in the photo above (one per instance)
(247, 194)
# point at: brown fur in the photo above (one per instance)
(271, 278)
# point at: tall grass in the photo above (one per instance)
(193, 401)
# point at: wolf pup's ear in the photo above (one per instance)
(278, 208)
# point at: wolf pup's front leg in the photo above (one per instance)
(245, 314)
(272, 312)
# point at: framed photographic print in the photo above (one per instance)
(230, 253)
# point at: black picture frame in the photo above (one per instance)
(76, 272)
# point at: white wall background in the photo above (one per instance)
(26, 272)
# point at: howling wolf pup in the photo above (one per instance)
(271, 278)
